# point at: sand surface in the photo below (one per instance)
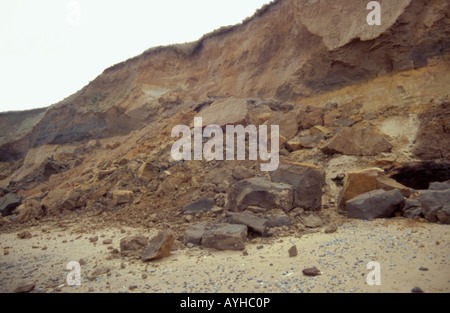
(410, 253)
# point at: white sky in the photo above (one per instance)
(44, 57)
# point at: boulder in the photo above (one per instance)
(278, 219)
(306, 180)
(29, 210)
(435, 205)
(363, 181)
(412, 208)
(225, 237)
(132, 244)
(355, 141)
(253, 222)
(159, 247)
(122, 196)
(8, 203)
(374, 204)
(194, 233)
(288, 124)
(201, 205)
(231, 111)
(440, 186)
(260, 192)
(147, 172)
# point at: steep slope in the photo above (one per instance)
(288, 51)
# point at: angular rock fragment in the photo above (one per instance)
(201, 205)
(306, 180)
(159, 247)
(374, 204)
(254, 223)
(260, 192)
(132, 244)
(122, 196)
(225, 237)
(362, 181)
(355, 141)
(435, 205)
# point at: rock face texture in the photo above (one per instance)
(288, 50)
(348, 97)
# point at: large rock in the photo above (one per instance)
(201, 205)
(8, 203)
(231, 111)
(194, 233)
(159, 247)
(355, 141)
(262, 193)
(253, 222)
(412, 208)
(375, 204)
(306, 180)
(225, 237)
(278, 219)
(363, 181)
(435, 205)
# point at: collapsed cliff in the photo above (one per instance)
(314, 68)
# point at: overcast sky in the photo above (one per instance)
(50, 49)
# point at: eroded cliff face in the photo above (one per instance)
(289, 51)
(315, 68)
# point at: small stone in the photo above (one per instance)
(82, 262)
(25, 288)
(312, 221)
(91, 289)
(293, 252)
(144, 276)
(417, 290)
(107, 241)
(332, 228)
(423, 269)
(132, 287)
(93, 239)
(313, 271)
(25, 235)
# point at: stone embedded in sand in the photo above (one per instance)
(355, 141)
(159, 247)
(412, 208)
(374, 204)
(307, 181)
(313, 271)
(25, 235)
(260, 192)
(225, 237)
(253, 222)
(331, 228)
(25, 288)
(122, 196)
(293, 252)
(132, 244)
